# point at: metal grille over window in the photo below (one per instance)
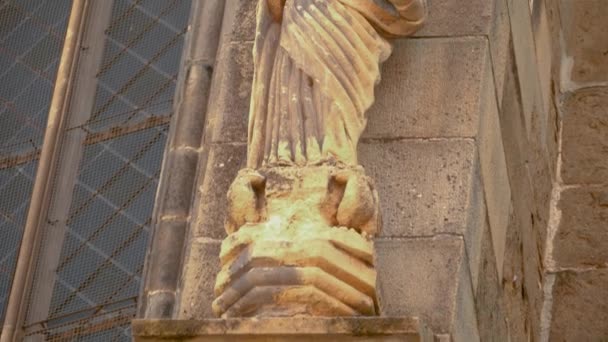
(88, 273)
(31, 39)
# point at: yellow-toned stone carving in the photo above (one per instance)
(302, 216)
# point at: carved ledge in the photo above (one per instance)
(370, 329)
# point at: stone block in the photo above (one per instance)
(584, 33)
(458, 18)
(223, 164)
(585, 141)
(582, 238)
(160, 305)
(580, 306)
(176, 196)
(428, 188)
(425, 187)
(293, 329)
(201, 265)
(228, 110)
(429, 278)
(165, 254)
(430, 88)
(188, 125)
(239, 25)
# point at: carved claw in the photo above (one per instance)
(358, 208)
(245, 200)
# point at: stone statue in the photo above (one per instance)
(302, 215)
(317, 63)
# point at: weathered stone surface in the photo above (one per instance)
(582, 236)
(585, 31)
(500, 45)
(274, 278)
(187, 130)
(438, 83)
(513, 291)
(426, 185)
(240, 23)
(546, 49)
(223, 164)
(458, 18)
(584, 137)
(428, 277)
(489, 302)
(493, 167)
(165, 254)
(201, 265)
(429, 188)
(291, 250)
(160, 305)
(177, 196)
(229, 106)
(525, 58)
(385, 329)
(580, 306)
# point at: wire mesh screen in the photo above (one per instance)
(95, 279)
(31, 39)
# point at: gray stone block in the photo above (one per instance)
(580, 306)
(165, 255)
(458, 18)
(177, 192)
(582, 237)
(223, 164)
(428, 188)
(160, 305)
(430, 88)
(229, 109)
(188, 124)
(584, 137)
(201, 265)
(428, 277)
(239, 25)
(425, 187)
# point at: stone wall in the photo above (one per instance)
(576, 257)
(462, 143)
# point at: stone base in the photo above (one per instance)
(284, 329)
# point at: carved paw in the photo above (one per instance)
(358, 208)
(245, 200)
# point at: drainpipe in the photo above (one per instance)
(12, 330)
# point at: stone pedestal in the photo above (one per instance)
(293, 329)
(300, 244)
